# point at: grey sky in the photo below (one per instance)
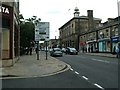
(58, 12)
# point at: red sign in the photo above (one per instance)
(82, 43)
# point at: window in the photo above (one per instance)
(107, 33)
(116, 31)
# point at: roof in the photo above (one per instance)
(80, 17)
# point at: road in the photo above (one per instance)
(102, 71)
(86, 72)
(66, 79)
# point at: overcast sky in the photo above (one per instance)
(58, 12)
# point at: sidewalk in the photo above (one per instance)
(29, 66)
(101, 54)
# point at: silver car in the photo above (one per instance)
(56, 52)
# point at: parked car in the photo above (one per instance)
(56, 52)
(71, 51)
(63, 50)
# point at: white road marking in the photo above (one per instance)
(71, 69)
(100, 60)
(85, 77)
(99, 86)
(76, 72)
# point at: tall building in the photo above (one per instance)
(70, 32)
(9, 32)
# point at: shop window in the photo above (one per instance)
(116, 31)
(101, 35)
(107, 33)
(5, 43)
(5, 23)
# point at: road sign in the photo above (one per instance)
(42, 31)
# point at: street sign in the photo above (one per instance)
(42, 31)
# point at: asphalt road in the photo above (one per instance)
(102, 71)
(66, 79)
(86, 72)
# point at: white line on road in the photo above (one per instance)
(76, 72)
(71, 69)
(100, 60)
(85, 77)
(99, 86)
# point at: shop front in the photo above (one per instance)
(7, 35)
(92, 45)
(104, 45)
(114, 41)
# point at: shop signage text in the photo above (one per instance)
(4, 10)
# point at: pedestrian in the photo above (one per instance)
(114, 50)
(83, 49)
(27, 50)
(118, 51)
(92, 48)
(31, 50)
(89, 49)
(36, 50)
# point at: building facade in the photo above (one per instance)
(87, 33)
(9, 27)
(70, 32)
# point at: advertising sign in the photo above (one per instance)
(42, 31)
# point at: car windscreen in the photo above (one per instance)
(57, 49)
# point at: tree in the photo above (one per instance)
(26, 34)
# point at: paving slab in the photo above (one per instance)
(29, 66)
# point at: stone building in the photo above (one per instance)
(9, 32)
(71, 31)
(103, 38)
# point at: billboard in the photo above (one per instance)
(42, 31)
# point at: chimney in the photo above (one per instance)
(90, 20)
(90, 13)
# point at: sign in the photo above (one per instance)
(115, 39)
(42, 31)
(4, 10)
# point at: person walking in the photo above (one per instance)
(31, 50)
(89, 49)
(92, 49)
(118, 51)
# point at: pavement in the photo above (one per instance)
(101, 54)
(29, 66)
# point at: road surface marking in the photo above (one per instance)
(85, 77)
(99, 86)
(76, 72)
(71, 69)
(100, 60)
